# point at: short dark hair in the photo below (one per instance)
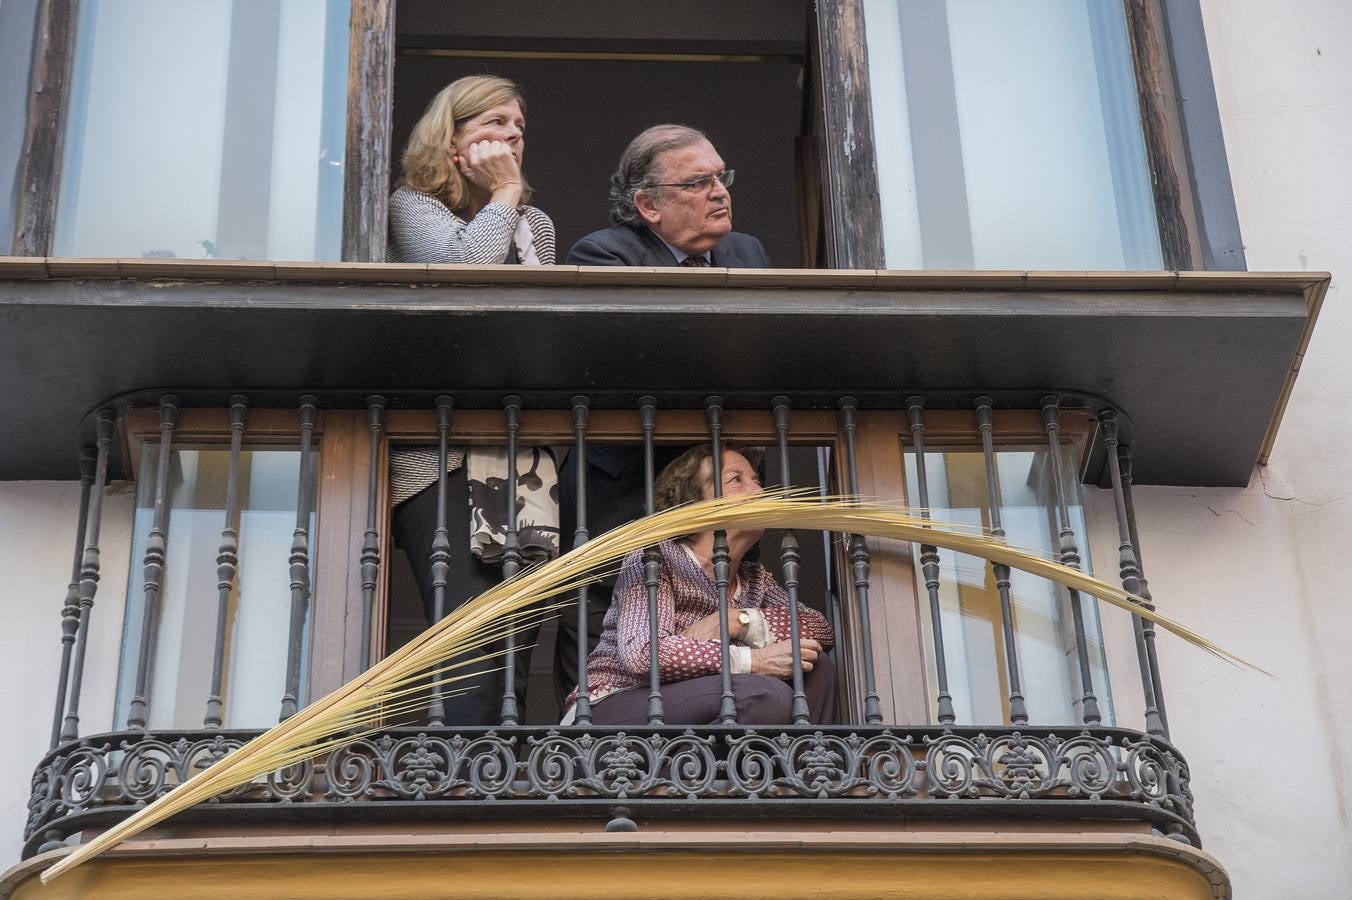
(680, 483)
(638, 166)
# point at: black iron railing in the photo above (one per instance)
(950, 770)
(616, 774)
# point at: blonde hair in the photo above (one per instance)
(427, 157)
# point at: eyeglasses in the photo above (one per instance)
(701, 184)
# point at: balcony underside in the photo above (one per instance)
(1199, 364)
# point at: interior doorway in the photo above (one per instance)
(597, 72)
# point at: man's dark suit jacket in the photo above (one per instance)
(629, 245)
(615, 474)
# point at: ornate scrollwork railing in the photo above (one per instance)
(964, 772)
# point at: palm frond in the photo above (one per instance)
(390, 685)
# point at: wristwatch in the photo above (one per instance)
(744, 620)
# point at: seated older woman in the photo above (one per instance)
(689, 655)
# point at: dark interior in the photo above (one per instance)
(596, 73)
(815, 585)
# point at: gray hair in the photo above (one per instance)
(638, 166)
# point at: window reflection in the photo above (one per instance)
(1009, 136)
(258, 618)
(205, 130)
(970, 603)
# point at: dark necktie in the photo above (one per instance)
(695, 262)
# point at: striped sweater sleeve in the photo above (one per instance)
(423, 230)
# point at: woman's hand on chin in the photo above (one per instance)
(492, 167)
(777, 659)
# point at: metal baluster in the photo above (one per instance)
(727, 706)
(929, 562)
(1147, 627)
(89, 573)
(652, 561)
(788, 557)
(859, 566)
(511, 557)
(139, 710)
(300, 561)
(227, 559)
(580, 536)
(1070, 555)
(70, 609)
(832, 601)
(370, 546)
(1018, 711)
(440, 556)
(1129, 569)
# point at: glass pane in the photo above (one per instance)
(1009, 136)
(970, 604)
(211, 129)
(258, 618)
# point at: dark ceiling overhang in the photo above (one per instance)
(1200, 364)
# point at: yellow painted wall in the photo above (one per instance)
(591, 873)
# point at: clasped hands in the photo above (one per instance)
(774, 659)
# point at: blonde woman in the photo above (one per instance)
(462, 198)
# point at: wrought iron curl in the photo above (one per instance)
(293, 783)
(74, 782)
(952, 766)
(890, 768)
(693, 767)
(143, 773)
(1148, 770)
(1091, 769)
(753, 760)
(552, 764)
(492, 766)
(351, 771)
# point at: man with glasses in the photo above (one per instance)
(671, 207)
(670, 203)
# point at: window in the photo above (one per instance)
(971, 614)
(210, 130)
(258, 615)
(1009, 136)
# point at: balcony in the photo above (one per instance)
(870, 371)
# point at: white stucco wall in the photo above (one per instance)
(37, 538)
(1264, 570)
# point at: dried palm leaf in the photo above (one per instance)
(430, 659)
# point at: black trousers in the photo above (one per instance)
(761, 700)
(478, 698)
(615, 495)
